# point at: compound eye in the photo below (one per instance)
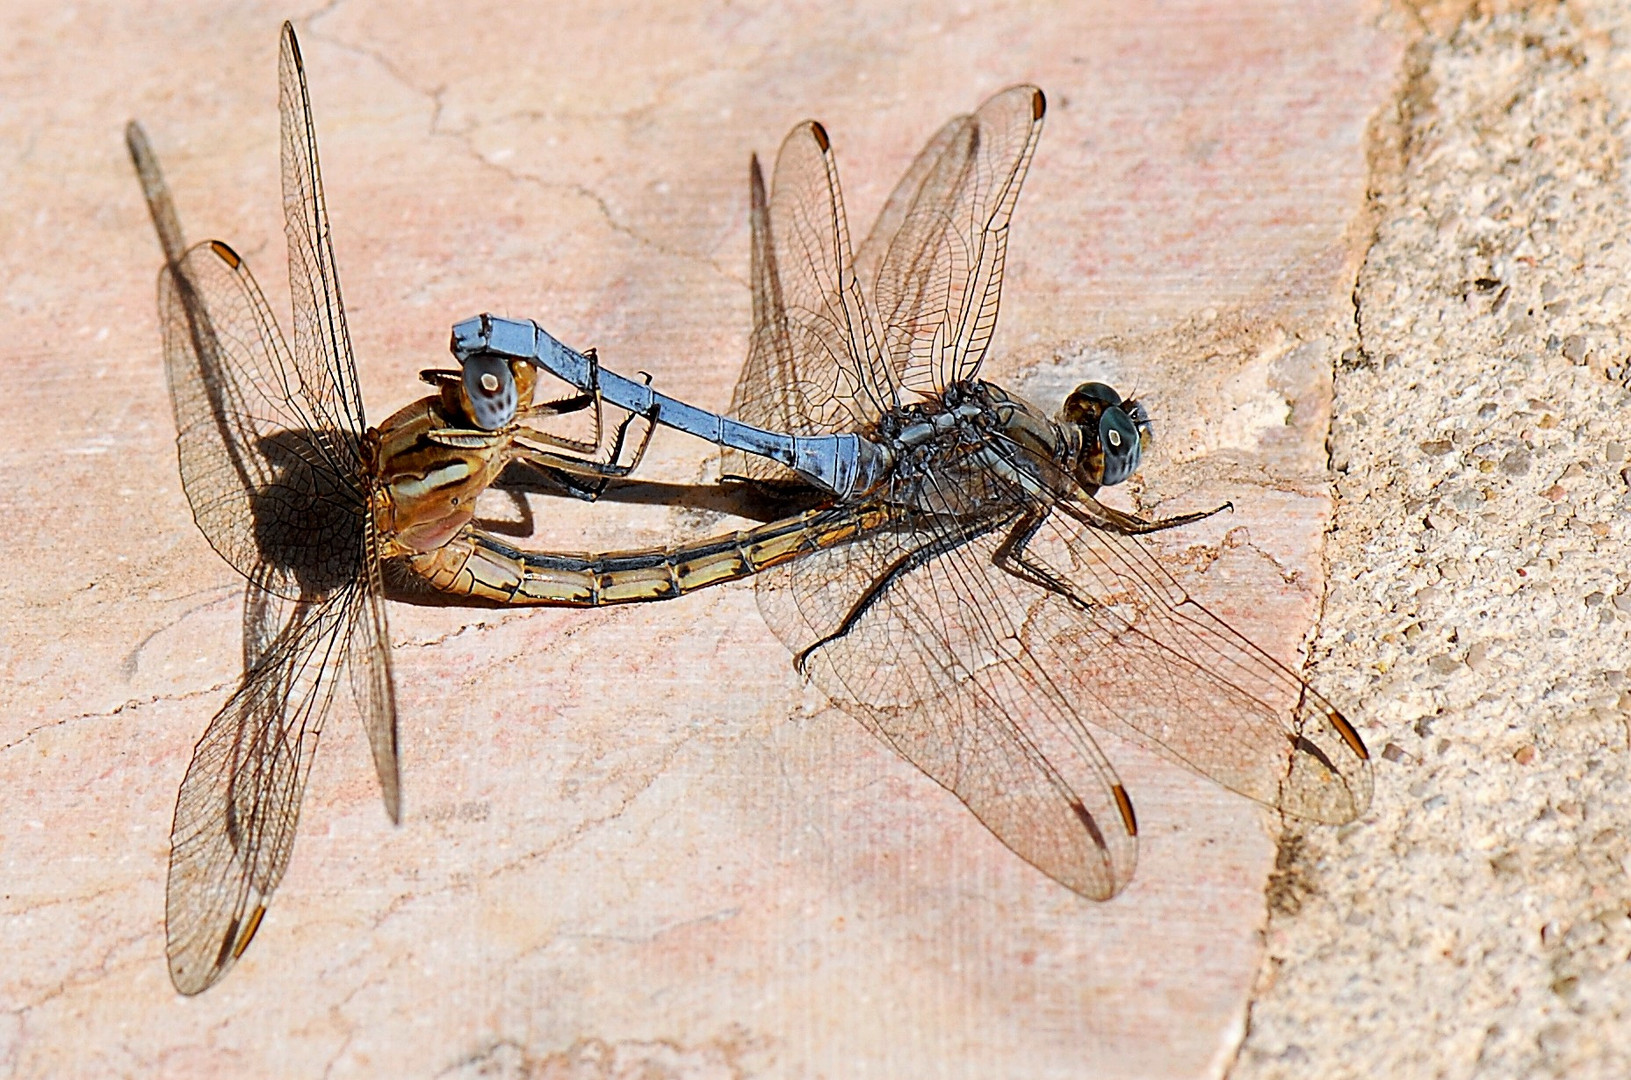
(1120, 442)
(1088, 401)
(1097, 391)
(489, 387)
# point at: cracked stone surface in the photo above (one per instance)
(634, 844)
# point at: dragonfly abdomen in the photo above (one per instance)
(478, 564)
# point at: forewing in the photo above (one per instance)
(1143, 659)
(254, 463)
(940, 283)
(240, 801)
(936, 667)
(322, 344)
(819, 368)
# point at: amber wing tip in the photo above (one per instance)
(1124, 804)
(1349, 734)
(1039, 103)
(820, 135)
(224, 252)
(250, 928)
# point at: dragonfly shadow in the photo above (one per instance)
(755, 500)
(309, 518)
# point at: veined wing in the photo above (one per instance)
(324, 361)
(1144, 659)
(262, 480)
(869, 256)
(770, 393)
(814, 364)
(913, 631)
(322, 345)
(946, 230)
(255, 450)
(240, 801)
(373, 689)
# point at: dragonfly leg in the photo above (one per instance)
(1089, 511)
(902, 566)
(562, 407)
(586, 478)
(1010, 558)
(588, 458)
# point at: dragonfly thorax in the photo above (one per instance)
(968, 450)
(425, 484)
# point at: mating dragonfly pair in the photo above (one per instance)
(947, 576)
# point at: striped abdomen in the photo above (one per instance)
(475, 563)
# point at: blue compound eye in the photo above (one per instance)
(1119, 439)
(489, 387)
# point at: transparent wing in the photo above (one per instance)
(940, 282)
(869, 256)
(1146, 660)
(910, 632)
(240, 801)
(324, 360)
(265, 483)
(981, 645)
(814, 364)
(322, 345)
(244, 414)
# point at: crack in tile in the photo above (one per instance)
(124, 706)
(466, 140)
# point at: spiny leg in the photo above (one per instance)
(586, 478)
(891, 577)
(1089, 511)
(602, 466)
(1011, 559)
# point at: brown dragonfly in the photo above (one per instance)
(290, 486)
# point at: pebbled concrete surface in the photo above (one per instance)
(1479, 922)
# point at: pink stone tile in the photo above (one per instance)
(632, 840)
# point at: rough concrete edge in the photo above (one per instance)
(1421, 24)
(1424, 26)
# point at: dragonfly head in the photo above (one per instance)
(494, 389)
(1115, 433)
